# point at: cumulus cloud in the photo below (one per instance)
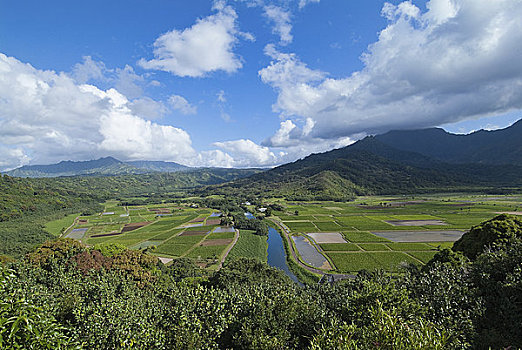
(214, 158)
(282, 24)
(88, 70)
(459, 59)
(205, 47)
(147, 108)
(181, 104)
(46, 116)
(247, 153)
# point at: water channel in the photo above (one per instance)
(276, 251)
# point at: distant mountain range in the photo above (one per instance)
(103, 166)
(396, 162)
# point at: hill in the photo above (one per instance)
(371, 166)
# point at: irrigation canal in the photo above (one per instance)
(276, 251)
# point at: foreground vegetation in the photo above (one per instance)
(65, 295)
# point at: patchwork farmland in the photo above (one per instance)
(167, 230)
(383, 232)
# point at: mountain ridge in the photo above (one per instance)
(102, 166)
(371, 166)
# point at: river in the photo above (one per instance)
(277, 255)
(276, 251)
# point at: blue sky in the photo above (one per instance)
(247, 82)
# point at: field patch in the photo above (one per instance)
(213, 221)
(174, 249)
(134, 226)
(327, 237)
(339, 247)
(250, 245)
(363, 223)
(363, 236)
(423, 256)
(410, 246)
(416, 222)
(56, 227)
(374, 246)
(220, 241)
(441, 245)
(420, 236)
(309, 253)
(207, 252)
(199, 219)
(195, 233)
(301, 226)
(224, 229)
(221, 235)
(77, 233)
(352, 262)
(146, 244)
(327, 225)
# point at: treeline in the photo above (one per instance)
(64, 295)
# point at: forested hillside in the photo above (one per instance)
(370, 167)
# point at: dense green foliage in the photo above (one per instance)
(25, 206)
(499, 230)
(123, 299)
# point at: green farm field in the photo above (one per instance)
(417, 217)
(249, 245)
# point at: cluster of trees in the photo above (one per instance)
(241, 222)
(65, 295)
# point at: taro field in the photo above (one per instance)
(167, 230)
(383, 232)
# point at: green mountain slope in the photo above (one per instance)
(488, 147)
(371, 167)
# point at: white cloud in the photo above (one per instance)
(128, 82)
(12, 157)
(147, 108)
(221, 96)
(47, 117)
(226, 117)
(214, 158)
(458, 60)
(303, 3)
(282, 23)
(247, 153)
(205, 47)
(181, 104)
(88, 70)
